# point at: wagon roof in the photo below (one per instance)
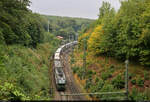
(57, 64)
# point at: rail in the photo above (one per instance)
(97, 93)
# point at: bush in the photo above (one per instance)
(140, 82)
(136, 95)
(88, 84)
(146, 75)
(89, 74)
(133, 93)
(133, 81)
(80, 73)
(118, 82)
(96, 79)
(131, 75)
(9, 91)
(107, 87)
(93, 89)
(72, 60)
(112, 68)
(106, 75)
(75, 69)
(100, 84)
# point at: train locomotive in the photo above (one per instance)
(59, 75)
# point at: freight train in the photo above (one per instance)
(59, 75)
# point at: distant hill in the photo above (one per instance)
(65, 26)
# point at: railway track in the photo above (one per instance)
(71, 86)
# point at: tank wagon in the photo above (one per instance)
(60, 78)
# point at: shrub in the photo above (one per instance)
(75, 69)
(140, 82)
(72, 60)
(118, 82)
(131, 75)
(133, 81)
(89, 74)
(96, 79)
(9, 91)
(80, 73)
(107, 87)
(100, 84)
(135, 95)
(106, 75)
(88, 84)
(93, 89)
(112, 68)
(146, 75)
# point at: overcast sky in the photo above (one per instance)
(71, 8)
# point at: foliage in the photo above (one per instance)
(118, 82)
(18, 25)
(89, 74)
(80, 73)
(11, 92)
(65, 26)
(111, 68)
(124, 34)
(131, 75)
(97, 86)
(75, 69)
(26, 70)
(135, 95)
(133, 81)
(146, 75)
(88, 84)
(140, 81)
(107, 87)
(106, 74)
(95, 40)
(100, 84)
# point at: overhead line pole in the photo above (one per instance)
(84, 57)
(48, 26)
(126, 79)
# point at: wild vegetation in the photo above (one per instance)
(24, 72)
(113, 38)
